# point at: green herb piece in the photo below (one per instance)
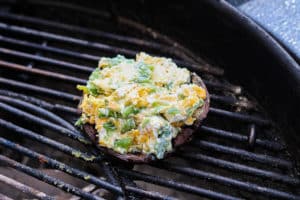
(95, 74)
(173, 111)
(109, 126)
(106, 112)
(158, 109)
(83, 88)
(127, 125)
(145, 122)
(124, 143)
(92, 88)
(191, 110)
(158, 103)
(79, 122)
(103, 112)
(152, 87)
(110, 62)
(129, 111)
(144, 73)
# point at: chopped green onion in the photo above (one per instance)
(158, 109)
(92, 88)
(145, 122)
(123, 143)
(173, 111)
(79, 122)
(191, 110)
(158, 103)
(109, 126)
(83, 88)
(95, 74)
(128, 125)
(103, 112)
(129, 110)
(106, 112)
(110, 62)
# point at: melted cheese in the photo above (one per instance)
(140, 105)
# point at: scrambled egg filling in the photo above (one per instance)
(139, 106)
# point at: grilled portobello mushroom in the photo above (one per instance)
(181, 126)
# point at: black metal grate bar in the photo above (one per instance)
(54, 144)
(40, 111)
(94, 45)
(229, 181)
(235, 89)
(67, 39)
(137, 41)
(176, 185)
(78, 173)
(243, 154)
(241, 138)
(224, 87)
(97, 33)
(24, 188)
(39, 90)
(178, 50)
(29, 117)
(40, 72)
(48, 179)
(241, 168)
(39, 102)
(4, 197)
(240, 116)
(48, 48)
(46, 60)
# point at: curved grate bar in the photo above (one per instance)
(52, 143)
(43, 112)
(39, 90)
(26, 116)
(177, 185)
(243, 154)
(48, 179)
(24, 188)
(241, 168)
(39, 102)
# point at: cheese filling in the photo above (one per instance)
(139, 106)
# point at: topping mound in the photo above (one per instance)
(139, 106)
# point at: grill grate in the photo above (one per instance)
(237, 155)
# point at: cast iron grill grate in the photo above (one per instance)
(236, 155)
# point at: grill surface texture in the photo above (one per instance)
(237, 153)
